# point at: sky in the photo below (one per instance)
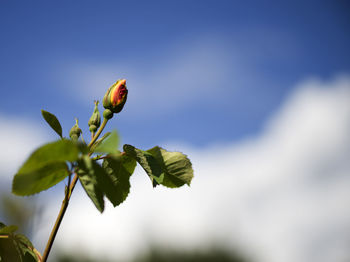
(256, 93)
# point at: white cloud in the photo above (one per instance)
(18, 137)
(282, 196)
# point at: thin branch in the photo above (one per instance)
(66, 199)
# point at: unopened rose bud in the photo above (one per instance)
(115, 96)
(75, 131)
(95, 119)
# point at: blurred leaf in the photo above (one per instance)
(148, 163)
(33, 182)
(52, 120)
(82, 147)
(30, 256)
(99, 141)
(108, 145)
(26, 248)
(5, 230)
(171, 169)
(19, 211)
(62, 150)
(17, 247)
(87, 172)
(8, 251)
(24, 241)
(119, 168)
(45, 167)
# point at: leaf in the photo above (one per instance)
(59, 151)
(5, 230)
(45, 167)
(104, 182)
(88, 179)
(8, 251)
(52, 120)
(17, 247)
(119, 168)
(24, 241)
(26, 248)
(99, 141)
(109, 145)
(171, 169)
(30, 256)
(176, 166)
(148, 163)
(35, 181)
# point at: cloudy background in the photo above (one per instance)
(257, 94)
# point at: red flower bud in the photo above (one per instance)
(115, 96)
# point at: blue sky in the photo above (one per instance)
(251, 54)
(257, 93)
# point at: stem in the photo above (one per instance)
(104, 123)
(66, 199)
(82, 138)
(100, 157)
(59, 218)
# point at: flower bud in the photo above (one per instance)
(115, 96)
(95, 119)
(75, 131)
(107, 114)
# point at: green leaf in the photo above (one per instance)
(148, 163)
(45, 167)
(5, 230)
(30, 257)
(99, 141)
(104, 182)
(17, 247)
(171, 169)
(26, 248)
(119, 168)
(111, 180)
(52, 120)
(176, 166)
(59, 151)
(24, 241)
(87, 173)
(9, 251)
(109, 145)
(35, 181)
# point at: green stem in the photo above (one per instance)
(59, 219)
(104, 123)
(66, 199)
(82, 138)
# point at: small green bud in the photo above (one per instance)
(93, 128)
(115, 96)
(75, 131)
(107, 114)
(95, 119)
